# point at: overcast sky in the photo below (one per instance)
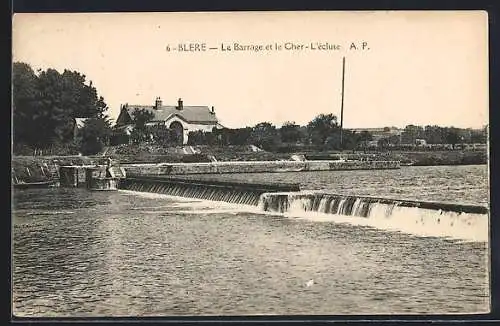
(420, 68)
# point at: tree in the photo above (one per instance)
(45, 105)
(411, 133)
(24, 85)
(290, 132)
(452, 136)
(321, 127)
(394, 140)
(333, 141)
(240, 136)
(383, 143)
(94, 135)
(200, 137)
(139, 118)
(161, 135)
(118, 137)
(350, 139)
(221, 136)
(478, 136)
(65, 97)
(365, 136)
(264, 135)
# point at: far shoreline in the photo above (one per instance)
(44, 168)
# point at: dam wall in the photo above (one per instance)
(361, 206)
(255, 167)
(216, 190)
(423, 218)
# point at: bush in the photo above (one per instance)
(91, 147)
(118, 138)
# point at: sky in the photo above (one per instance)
(416, 68)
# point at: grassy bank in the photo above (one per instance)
(436, 158)
(422, 158)
(156, 154)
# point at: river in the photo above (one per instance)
(80, 253)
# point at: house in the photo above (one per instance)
(420, 142)
(181, 118)
(379, 133)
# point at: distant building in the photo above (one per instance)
(420, 142)
(180, 117)
(379, 133)
(368, 144)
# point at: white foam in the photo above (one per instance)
(156, 195)
(51, 213)
(410, 220)
(195, 203)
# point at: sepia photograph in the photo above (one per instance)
(250, 164)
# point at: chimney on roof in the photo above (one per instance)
(212, 110)
(179, 104)
(158, 103)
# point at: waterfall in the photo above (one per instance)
(415, 217)
(469, 222)
(226, 191)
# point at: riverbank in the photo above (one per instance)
(143, 153)
(256, 167)
(436, 158)
(44, 168)
(28, 169)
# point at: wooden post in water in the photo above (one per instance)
(342, 105)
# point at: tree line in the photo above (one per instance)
(322, 131)
(46, 104)
(433, 134)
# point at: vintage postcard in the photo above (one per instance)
(250, 163)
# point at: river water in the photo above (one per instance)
(80, 253)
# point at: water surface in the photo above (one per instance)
(80, 253)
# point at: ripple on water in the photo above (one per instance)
(122, 254)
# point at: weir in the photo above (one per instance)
(361, 206)
(216, 190)
(466, 222)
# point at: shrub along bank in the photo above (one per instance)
(442, 158)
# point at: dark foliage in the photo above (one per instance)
(45, 105)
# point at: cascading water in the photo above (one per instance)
(230, 193)
(468, 222)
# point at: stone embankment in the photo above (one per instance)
(255, 167)
(26, 169)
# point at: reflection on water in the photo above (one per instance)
(79, 253)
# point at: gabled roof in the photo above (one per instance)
(191, 114)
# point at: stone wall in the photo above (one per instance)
(25, 169)
(255, 167)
